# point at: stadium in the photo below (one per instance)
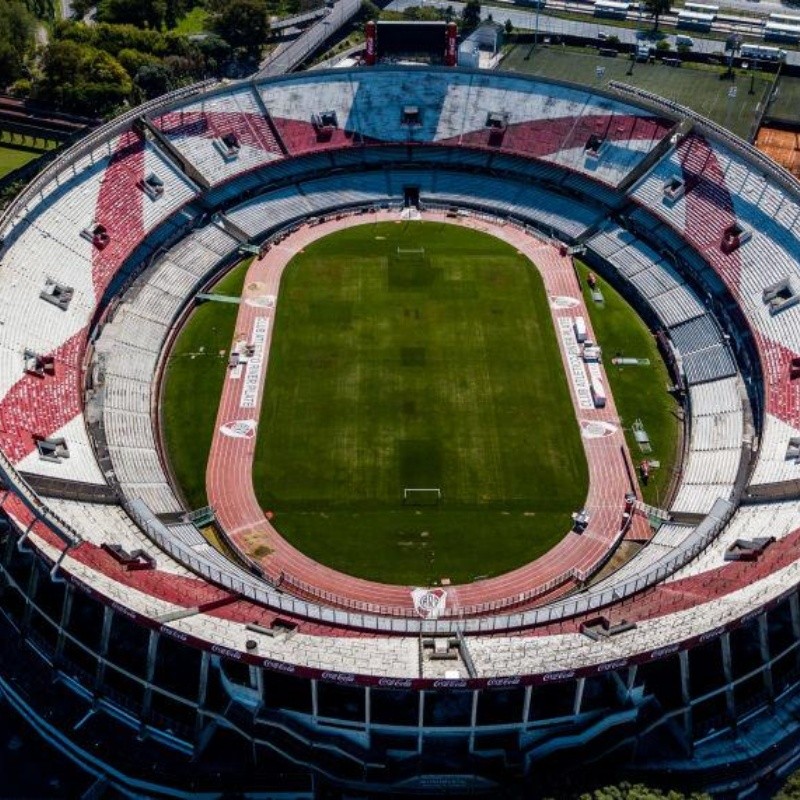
(171, 667)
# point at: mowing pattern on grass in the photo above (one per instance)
(438, 369)
(193, 384)
(640, 392)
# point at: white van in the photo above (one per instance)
(598, 393)
(579, 326)
(684, 41)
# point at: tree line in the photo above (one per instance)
(128, 54)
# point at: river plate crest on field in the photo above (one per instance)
(429, 603)
(563, 301)
(596, 429)
(239, 429)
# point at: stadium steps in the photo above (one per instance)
(71, 490)
(270, 122)
(231, 228)
(143, 124)
(661, 150)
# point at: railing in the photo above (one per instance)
(386, 619)
(60, 527)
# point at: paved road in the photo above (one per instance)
(287, 56)
(526, 19)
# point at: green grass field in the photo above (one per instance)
(699, 88)
(194, 21)
(16, 152)
(390, 371)
(785, 104)
(639, 392)
(193, 385)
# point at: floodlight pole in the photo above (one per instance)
(535, 31)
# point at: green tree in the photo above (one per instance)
(17, 28)
(143, 13)
(42, 9)
(509, 26)
(175, 9)
(242, 23)
(81, 78)
(791, 789)
(134, 60)
(80, 8)
(656, 8)
(471, 15)
(369, 10)
(153, 80)
(637, 791)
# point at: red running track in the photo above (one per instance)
(229, 471)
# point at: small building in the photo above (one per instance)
(481, 49)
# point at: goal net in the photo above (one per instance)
(411, 253)
(425, 496)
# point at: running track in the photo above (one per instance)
(229, 471)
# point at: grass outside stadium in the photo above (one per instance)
(407, 356)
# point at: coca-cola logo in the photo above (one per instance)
(278, 666)
(664, 651)
(338, 677)
(711, 634)
(173, 634)
(558, 676)
(395, 683)
(503, 681)
(612, 665)
(224, 651)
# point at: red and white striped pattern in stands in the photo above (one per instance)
(108, 194)
(701, 217)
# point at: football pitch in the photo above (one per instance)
(409, 356)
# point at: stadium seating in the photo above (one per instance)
(749, 522)
(549, 123)
(668, 538)
(291, 103)
(197, 129)
(129, 346)
(715, 446)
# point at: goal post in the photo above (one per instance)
(422, 496)
(410, 252)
